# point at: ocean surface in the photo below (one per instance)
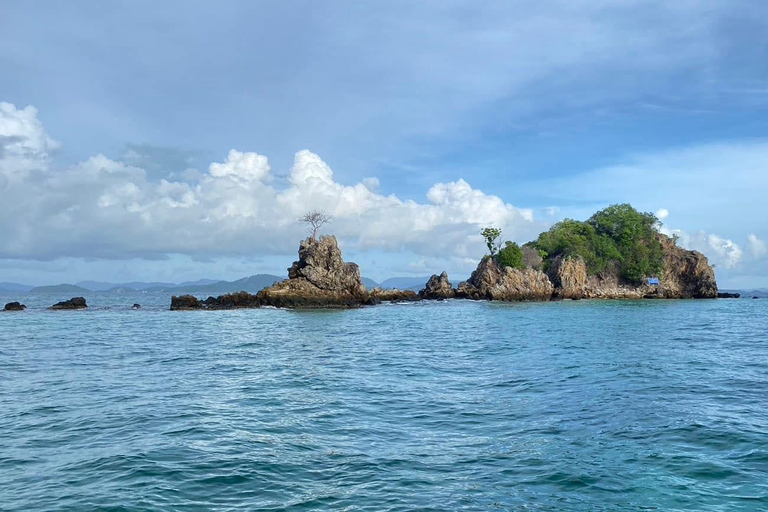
(569, 406)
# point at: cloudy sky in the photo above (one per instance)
(181, 140)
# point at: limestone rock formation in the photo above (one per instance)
(687, 274)
(493, 282)
(14, 306)
(438, 287)
(319, 279)
(569, 277)
(73, 303)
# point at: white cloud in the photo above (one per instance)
(757, 247)
(662, 214)
(720, 251)
(109, 209)
(24, 145)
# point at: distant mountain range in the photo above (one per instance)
(250, 284)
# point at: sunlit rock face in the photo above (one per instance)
(319, 279)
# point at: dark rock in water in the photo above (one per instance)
(185, 303)
(14, 306)
(755, 297)
(136, 306)
(379, 295)
(238, 300)
(438, 287)
(318, 280)
(73, 303)
(726, 295)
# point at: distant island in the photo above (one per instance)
(618, 253)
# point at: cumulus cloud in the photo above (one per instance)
(721, 251)
(24, 145)
(110, 209)
(758, 248)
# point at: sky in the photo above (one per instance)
(172, 141)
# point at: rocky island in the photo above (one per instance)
(619, 253)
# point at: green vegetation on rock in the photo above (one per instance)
(510, 256)
(617, 239)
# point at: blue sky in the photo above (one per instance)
(422, 122)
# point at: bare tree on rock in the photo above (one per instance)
(315, 219)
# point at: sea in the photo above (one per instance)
(454, 405)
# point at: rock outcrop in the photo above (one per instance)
(73, 303)
(14, 306)
(687, 274)
(437, 288)
(727, 295)
(378, 295)
(185, 303)
(237, 300)
(319, 279)
(493, 282)
(569, 277)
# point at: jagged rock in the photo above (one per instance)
(726, 295)
(319, 279)
(185, 303)
(136, 306)
(492, 282)
(73, 303)
(14, 306)
(438, 287)
(687, 274)
(393, 295)
(569, 277)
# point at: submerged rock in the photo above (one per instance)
(438, 287)
(393, 295)
(14, 306)
(73, 303)
(319, 279)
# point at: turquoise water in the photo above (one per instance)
(571, 406)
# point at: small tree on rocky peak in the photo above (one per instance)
(491, 236)
(315, 219)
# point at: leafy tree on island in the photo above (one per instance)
(315, 219)
(491, 236)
